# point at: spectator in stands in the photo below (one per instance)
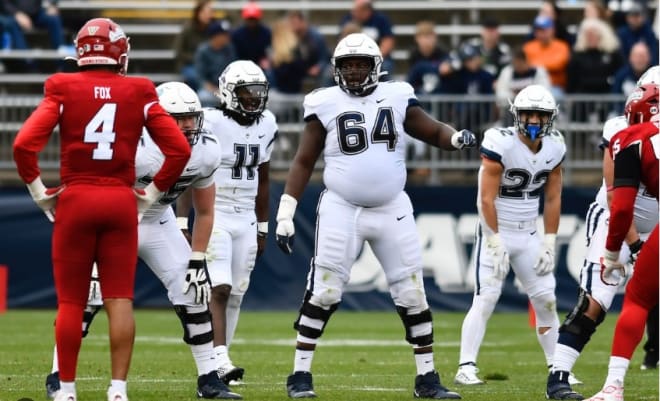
(426, 47)
(377, 26)
(313, 49)
(637, 28)
(495, 53)
(252, 39)
(515, 77)
(595, 59)
(211, 58)
(595, 9)
(549, 52)
(639, 60)
(193, 34)
(25, 15)
(550, 9)
(288, 69)
(617, 9)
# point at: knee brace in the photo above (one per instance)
(314, 315)
(577, 323)
(88, 317)
(196, 323)
(419, 326)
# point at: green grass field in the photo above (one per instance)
(362, 356)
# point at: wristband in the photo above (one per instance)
(182, 223)
(262, 228)
(196, 255)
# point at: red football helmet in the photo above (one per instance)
(102, 42)
(642, 104)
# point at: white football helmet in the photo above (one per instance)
(243, 89)
(650, 76)
(536, 98)
(357, 45)
(181, 101)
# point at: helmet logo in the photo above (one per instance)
(92, 30)
(117, 34)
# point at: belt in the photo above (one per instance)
(516, 225)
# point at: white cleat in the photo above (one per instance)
(62, 396)
(467, 375)
(611, 392)
(116, 396)
(574, 381)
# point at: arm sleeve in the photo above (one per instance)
(34, 134)
(621, 216)
(167, 135)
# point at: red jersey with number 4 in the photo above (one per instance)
(100, 116)
(635, 151)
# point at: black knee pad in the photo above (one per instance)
(413, 320)
(88, 317)
(577, 323)
(194, 318)
(313, 312)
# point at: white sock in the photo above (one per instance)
(424, 363)
(205, 358)
(118, 385)
(616, 371)
(564, 358)
(231, 316)
(548, 341)
(302, 361)
(474, 327)
(68, 387)
(222, 354)
(56, 366)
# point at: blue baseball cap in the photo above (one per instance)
(543, 22)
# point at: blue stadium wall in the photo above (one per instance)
(278, 280)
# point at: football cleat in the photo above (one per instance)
(428, 386)
(52, 384)
(62, 396)
(611, 392)
(559, 387)
(114, 395)
(230, 373)
(299, 385)
(650, 360)
(209, 386)
(467, 375)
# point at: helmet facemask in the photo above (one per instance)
(356, 74)
(193, 129)
(249, 100)
(537, 130)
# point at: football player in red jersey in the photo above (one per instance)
(100, 113)
(635, 151)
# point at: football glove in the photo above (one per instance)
(45, 198)
(146, 197)
(463, 139)
(94, 297)
(285, 229)
(546, 260)
(635, 248)
(197, 279)
(499, 255)
(612, 272)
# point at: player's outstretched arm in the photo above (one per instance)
(422, 126)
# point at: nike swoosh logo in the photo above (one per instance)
(548, 161)
(163, 222)
(380, 100)
(400, 218)
(533, 232)
(261, 136)
(191, 169)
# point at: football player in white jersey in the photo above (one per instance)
(360, 128)
(246, 132)
(180, 266)
(518, 164)
(595, 296)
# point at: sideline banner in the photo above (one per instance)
(446, 218)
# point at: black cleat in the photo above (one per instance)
(650, 359)
(210, 386)
(230, 373)
(299, 385)
(559, 389)
(52, 384)
(428, 386)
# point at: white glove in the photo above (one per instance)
(612, 272)
(95, 297)
(463, 139)
(45, 198)
(198, 279)
(546, 261)
(285, 229)
(499, 255)
(146, 197)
